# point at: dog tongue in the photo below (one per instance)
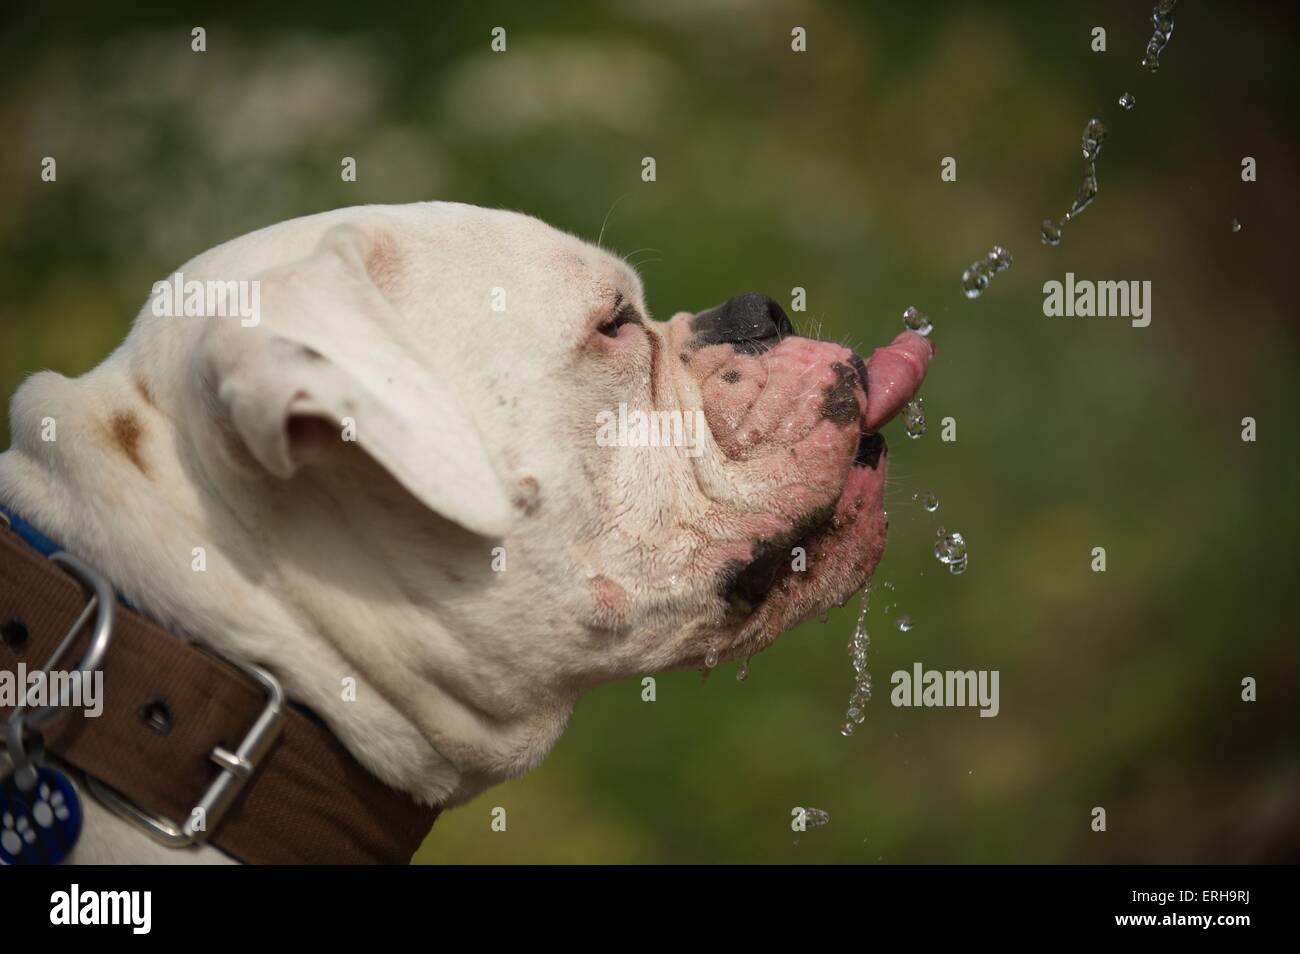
(894, 375)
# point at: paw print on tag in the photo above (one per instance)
(51, 807)
(39, 825)
(15, 832)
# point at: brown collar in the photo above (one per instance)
(173, 720)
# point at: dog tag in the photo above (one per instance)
(38, 826)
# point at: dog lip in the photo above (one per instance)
(871, 445)
(754, 580)
(748, 584)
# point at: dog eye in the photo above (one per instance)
(624, 316)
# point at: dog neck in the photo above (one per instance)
(330, 581)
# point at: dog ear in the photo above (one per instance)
(325, 357)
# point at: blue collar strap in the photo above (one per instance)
(33, 537)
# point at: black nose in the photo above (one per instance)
(751, 322)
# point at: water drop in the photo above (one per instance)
(950, 550)
(1162, 22)
(1051, 233)
(1236, 226)
(1094, 134)
(927, 500)
(976, 278)
(914, 418)
(815, 817)
(904, 624)
(916, 320)
(859, 643)
(711, 658)
(1128, 100)
(1087, 191)
(742, 672)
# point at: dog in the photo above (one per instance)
(409, 470)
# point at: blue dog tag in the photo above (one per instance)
(40, 826)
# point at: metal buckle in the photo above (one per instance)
(102, 603)
(237, 768)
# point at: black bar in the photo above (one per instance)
(434, 904)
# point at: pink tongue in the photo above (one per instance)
(894, 375)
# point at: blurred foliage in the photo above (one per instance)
(819, 170)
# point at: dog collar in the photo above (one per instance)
(192, 747)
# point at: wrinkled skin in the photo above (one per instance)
(796, 462)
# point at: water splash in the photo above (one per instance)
(1094, 134)
(914, 418)
(1128, 100)
(976, 278)
(916, 320)
(904, 624)
(859, 643)
(950, 550)
(928, 501)
(1162, 22)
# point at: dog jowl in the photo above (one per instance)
(799, 421)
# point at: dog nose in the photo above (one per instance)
(751, 322)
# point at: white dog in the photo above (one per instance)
(427, 465)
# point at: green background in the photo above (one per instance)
(775, 169)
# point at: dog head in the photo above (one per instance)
(554, 489)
